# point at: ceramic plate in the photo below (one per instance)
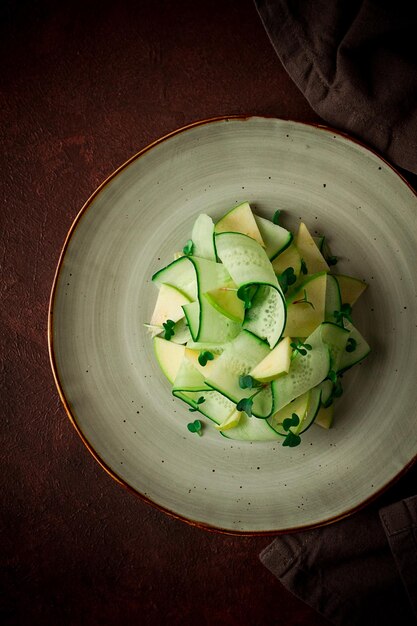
(103, 359)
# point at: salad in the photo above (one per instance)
(253, 329)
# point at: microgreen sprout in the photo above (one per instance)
(245, 404)
(291, 439)
(247, 382)
(300, 348)
(188, 248)
(195, 427)
(247, 293)
(332, 376)
(344, 314)
(304, 269)
(287, 278)
(275, 218)
(351, 345)
(169, 329)
(304, 300)
(205, 356)
(199, 401)
(337, 388)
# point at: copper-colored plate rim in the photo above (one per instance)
(65, 403)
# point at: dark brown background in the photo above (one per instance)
(84, 85)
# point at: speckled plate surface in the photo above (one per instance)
(103, 360)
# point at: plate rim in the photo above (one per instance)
(50, 331)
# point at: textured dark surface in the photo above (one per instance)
(83, 87)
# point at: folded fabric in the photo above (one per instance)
(356, 63)
(356, 572)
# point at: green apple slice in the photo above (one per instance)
(350, 288)
(299, 406)
(309, 251)
(168, 305)
(306, 307)
(240, 220)
(230, 422)
(325, 416)
(275, 364)
(225, 301)
(169, 356)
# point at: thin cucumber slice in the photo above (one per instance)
(326, 392)
(205, 322)
(266, 318)
(306, 371)
(217, 408)
(314, 404)
(247, 263)
(238, 359)
(181, 275)
(275, 237)
(335, 337)
(245, 259)
(192, 312)
(252, 429)
(333, 299)
(202, 237)
(362, 349)
(215, 348)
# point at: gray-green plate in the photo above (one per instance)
(103, 359)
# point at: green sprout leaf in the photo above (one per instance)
(304, 300)
(245, 405)
(199, 401)
(169, 329)
(195, 427)
(292, 440)
(332, 376)
(344, 314)
(300, 348)
(205, 356)
(188, 248)
(247, 293)
(275, 218)
(304, 269)
(294, 420)
(247, 382)
(287, 278)
(351, 345)
(337, 389)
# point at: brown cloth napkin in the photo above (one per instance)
(359, 571)
(356, 63)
